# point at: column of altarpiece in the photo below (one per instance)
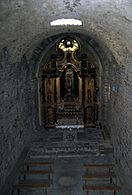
(89, 107)
(80, 89)
(49, 103)
(58, 90)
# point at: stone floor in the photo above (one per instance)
(89, 146)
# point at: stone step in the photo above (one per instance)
(98, 175)
(89, 165)
(104, 187)
(38, 163)
(36, 172)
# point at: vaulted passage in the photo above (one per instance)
(65, 97)
(69, 97)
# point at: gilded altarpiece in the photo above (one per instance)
(69, 89)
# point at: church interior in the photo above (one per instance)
(66, 97)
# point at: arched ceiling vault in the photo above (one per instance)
(25, 24)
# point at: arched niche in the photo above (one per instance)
(85, 65)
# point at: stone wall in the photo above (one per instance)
(15, 111)
(120, 118)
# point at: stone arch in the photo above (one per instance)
(103, 56)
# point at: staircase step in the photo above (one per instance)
(99, 175)
(36, 172)
(98, 165)
(31, 185)
(104, 187)
(37, 163)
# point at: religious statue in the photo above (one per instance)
(89, 96)
(69, 82)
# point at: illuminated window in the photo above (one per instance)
(61, 22)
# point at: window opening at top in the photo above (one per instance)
(65, 22)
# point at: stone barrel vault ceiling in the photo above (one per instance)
(25, 23)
